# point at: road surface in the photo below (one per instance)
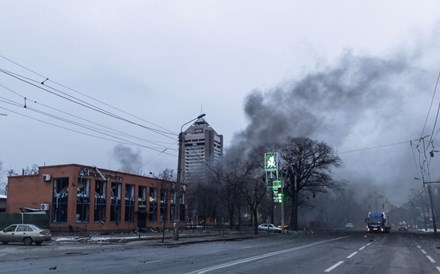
(344, 252)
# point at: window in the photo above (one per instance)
(142, 197)
(153, 204)
(173, 204)
(10, 228)
(129, 203)
(115, 206)
(163, 205)
(83, 200)
(182, 206)
(22, 228)
(100, 201)
(59, 200)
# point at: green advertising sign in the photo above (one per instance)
(276, 184)
(278, 198)
(270, 161)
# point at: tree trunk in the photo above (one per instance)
(294, 212)
(231, 219)
(255, 219)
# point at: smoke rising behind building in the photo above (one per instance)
(361, 102)
(129, 160)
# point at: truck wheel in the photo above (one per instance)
(27, 241)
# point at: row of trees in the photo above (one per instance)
(236, 188)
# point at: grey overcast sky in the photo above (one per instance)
(168, 61)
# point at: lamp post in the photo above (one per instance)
(179, 179)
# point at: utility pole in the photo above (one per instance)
(432, 206)
(434, 223)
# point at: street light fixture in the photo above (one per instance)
(179, 179)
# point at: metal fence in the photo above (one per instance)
(40, 220)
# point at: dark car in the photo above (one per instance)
(26, 233)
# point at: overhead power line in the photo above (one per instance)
(96, 127)
(376, 147)
(82, 103)
(120, 140)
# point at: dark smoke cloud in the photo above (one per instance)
(130, 161)
(362, 101)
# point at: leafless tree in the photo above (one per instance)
(307, 166)
(2, 180)
(230, 180)
(168, 175)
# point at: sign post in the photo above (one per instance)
(275, 185)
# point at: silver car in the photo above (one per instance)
(269, 227)
(25, 233)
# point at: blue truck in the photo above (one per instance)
(378, 222)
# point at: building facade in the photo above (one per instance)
(202, 147)
(86, 198)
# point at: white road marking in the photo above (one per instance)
(368, 244)
(362, 248)
(352, 254)
(262, 256)
(423, 251)
(334, 266)
(419, 246)
(430, 259)
(438, 268)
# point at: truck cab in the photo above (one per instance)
(377, 222)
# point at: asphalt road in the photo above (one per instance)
(346, 252)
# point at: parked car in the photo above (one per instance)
(269, 227)
(349, 226)
(26, 233)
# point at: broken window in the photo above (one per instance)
(115, 206)
(163, 205)
(60, 200)
(83, 200)
(100, 201)
(182, 206)
(142, 197)
(129, 203)
(173, 204)
(153, 204)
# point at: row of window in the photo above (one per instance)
(83, 201)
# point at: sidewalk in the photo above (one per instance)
(155, 238)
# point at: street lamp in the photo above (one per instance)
(179, 179)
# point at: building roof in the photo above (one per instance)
(200, 124)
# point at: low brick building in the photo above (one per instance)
(86, 198)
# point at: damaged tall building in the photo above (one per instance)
(202, 148)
